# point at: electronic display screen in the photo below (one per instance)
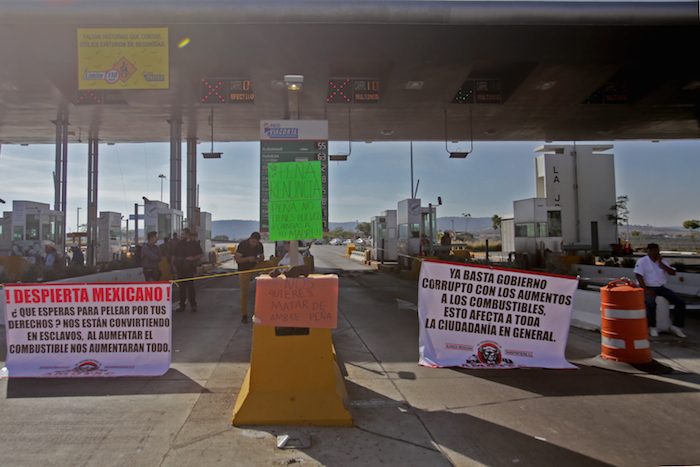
(612, 92)
(353, 91)
(479, 91)
(99, 97)
(226, 91)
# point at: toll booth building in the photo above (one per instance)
(109, 236)
(533, 228)
(575, 190)
(414, 221)
(384, 236)
(28, 227)
(158, 217)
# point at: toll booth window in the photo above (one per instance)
(58, 238)
(18, 233)
(163, 226)
(115, 235)
(526, 229)
(403, 231)
(53, 232)
(426, 224)
(541, 229)
(45, 227)
(554, 222)
(207, 234)
(415, 230)
(32, 224)
(382, 231)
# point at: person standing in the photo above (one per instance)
(150, 258)
(172, 244)
(78, 259)
(50, 250)
(185, 257)
(651, 271)
(249, 255)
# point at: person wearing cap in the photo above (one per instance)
(50, 250)
(651, 271)
(78, 258)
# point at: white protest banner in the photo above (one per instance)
(88, 330)
(474, 316)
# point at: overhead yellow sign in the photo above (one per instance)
(132, 58)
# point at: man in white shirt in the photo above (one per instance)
(651, 273)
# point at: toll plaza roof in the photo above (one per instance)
(376, 70)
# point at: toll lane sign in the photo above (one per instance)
(293, 178)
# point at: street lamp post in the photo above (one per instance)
(162, 177)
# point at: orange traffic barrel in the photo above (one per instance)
(625, 335)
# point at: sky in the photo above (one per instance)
(660, 179)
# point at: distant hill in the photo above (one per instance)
(236, 229)
(471, 224)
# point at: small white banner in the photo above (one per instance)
(88, 330)
(475, 316)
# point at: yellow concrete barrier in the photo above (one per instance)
(14, 266)
(292, 380)
(462, 253)
(350, 248)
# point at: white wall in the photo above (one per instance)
(557, 172)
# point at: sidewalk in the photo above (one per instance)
(404, 414)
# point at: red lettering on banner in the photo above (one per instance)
(48, 295)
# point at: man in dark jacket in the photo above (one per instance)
(249, 256)
(150, 258)
(185, 258)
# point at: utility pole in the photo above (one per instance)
(162, 177)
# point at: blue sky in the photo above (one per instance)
(661, 179)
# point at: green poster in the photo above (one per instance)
(295, 220)
(292, 181)
(295, 200)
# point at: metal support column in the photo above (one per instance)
(58, 171)
(191, 183)
(175, 164)
(61, 173)
(92, 200)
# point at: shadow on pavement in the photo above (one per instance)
(587, 381)
(389, 432)
(173, 382)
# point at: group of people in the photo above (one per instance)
(184, 254)
(50, 259)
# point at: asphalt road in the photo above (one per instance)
(404, 414)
